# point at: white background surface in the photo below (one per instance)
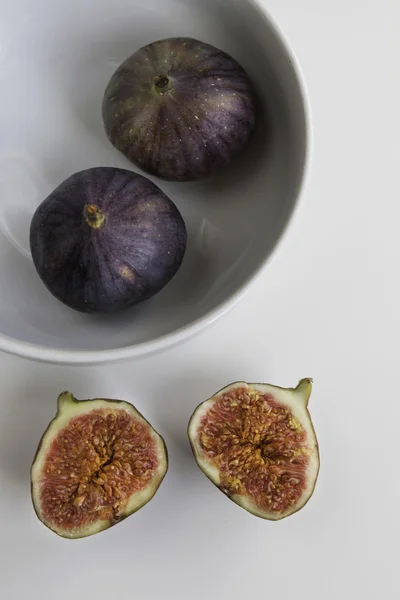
(327, 307)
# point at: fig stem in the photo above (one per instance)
(65, 399)
(162, 83)
(304, 388)
(94, 216)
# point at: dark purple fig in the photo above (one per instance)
(106, 239)
(179, 109)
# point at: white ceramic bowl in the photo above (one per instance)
(55, 61)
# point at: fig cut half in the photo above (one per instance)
(98, 462)
(257, 444)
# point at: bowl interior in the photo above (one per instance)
(56, 59)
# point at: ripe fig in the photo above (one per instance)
(98, 462)
(106, 239)
(257, 444)
(179, 109)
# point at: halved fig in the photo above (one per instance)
(98, 462)
(256, 442)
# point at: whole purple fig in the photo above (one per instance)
(179, 109)
(106, 239)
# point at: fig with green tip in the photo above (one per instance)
(98, 462)
(257, 444)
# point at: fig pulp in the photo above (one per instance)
(98, 462)
(106, 239)
(256, 443)
(179, 109)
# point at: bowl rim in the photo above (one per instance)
(48, 354)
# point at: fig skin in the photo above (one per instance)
(106, 239)
(69, 408)
(179, 109)
(293, 456)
